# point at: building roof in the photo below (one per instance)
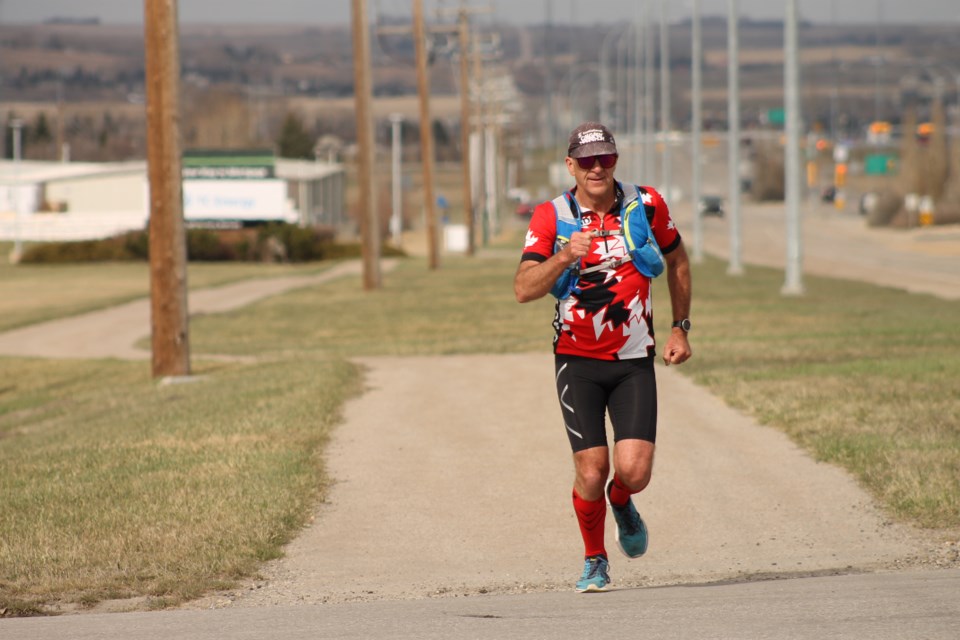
(34, 171)
(288, 169)
(37, 172)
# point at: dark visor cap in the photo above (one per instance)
(591, 139)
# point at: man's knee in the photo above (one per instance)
(592, 468)
(636, 476)
(634, 464)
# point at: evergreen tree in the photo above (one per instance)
(41, 129)
(294, 141)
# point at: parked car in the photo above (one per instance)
(524, 209)
(711, 206)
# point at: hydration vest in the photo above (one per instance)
(642, 247)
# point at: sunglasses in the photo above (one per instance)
(606, 161)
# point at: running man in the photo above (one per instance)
(604, 345)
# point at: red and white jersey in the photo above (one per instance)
(612, 316)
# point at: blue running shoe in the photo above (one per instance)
(595, 576)
(631, 531)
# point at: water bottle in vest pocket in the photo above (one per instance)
(644, 251)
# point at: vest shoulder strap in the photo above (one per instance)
(566, 219)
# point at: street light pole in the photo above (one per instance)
(735, 266)
(666, 176)
(696, 131)
(605, 97)
(793, 283)
(648, 94)
(636, 90)
(17, 125)
(396, 218)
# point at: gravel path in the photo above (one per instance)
(453, 478)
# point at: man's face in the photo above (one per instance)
(596, 181)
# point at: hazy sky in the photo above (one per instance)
(587, 11)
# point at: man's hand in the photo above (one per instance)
(678, 349)
(579, 244)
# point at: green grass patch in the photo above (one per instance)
(466, 306)
(35, 293)
(115, 486)
(862, 376)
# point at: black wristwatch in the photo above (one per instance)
(683, 324)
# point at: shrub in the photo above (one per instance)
(275, 242)
(117, 248)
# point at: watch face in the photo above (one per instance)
(685, 324)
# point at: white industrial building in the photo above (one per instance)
(55, 201)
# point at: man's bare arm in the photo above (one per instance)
(534, 280)
(679, 283)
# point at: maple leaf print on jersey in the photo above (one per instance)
(611, 318)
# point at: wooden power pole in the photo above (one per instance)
(369, 222)
(168, 249)
(426, 132)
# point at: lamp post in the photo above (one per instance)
(667, 175)
(793, 283)
(605, 97)
(735, 266)
(696, 130)
(649, 116)
(17, 125)
(396, 121)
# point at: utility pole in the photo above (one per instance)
(464, 36)
(168, 248)
(426, 133)
(735, 266)
(369, 224)
(697, 131)
(793, 283)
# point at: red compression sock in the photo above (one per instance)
(590, 516)
(619, 492)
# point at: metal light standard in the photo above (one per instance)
(605, 91)
(735, 267)
(396, 218)
(17, 125)
(793, 283)
(637, 94)
(649, 122)
(667, 174)
(696, 131)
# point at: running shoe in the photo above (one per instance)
(595, 575)
(631, 532)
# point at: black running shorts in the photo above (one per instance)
(588, 388)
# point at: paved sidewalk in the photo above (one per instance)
(876, 607)
(113, 332)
